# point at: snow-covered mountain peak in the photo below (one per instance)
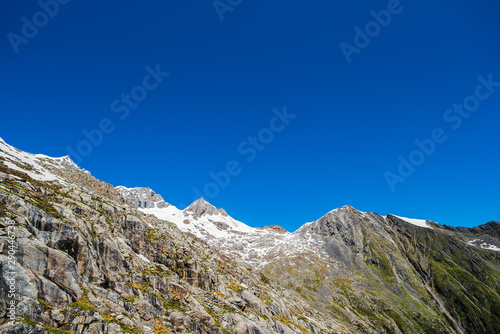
(200, 207)
(66, 160)
(142, 197)
(37, 166)
(200, 218)
(257, 246)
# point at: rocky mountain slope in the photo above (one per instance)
(80, 256)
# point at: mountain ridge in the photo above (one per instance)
(66, 160)
(93, 258)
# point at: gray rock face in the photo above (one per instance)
(341, 223)
(201, 207)
(142, 197)
(246, 326)
(253, 301)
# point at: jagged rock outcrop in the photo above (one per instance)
(201, 207)
(142, 197)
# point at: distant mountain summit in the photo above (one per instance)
(200, 218)
(142, 197)
(201, 207)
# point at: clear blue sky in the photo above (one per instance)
(353, 120)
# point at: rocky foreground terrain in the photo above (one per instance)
(78, 255)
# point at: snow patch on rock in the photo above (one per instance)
(484, 245)
(417, 222)
(34, 165)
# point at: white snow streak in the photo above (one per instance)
(417, 222)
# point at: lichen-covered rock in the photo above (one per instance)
(253, 301)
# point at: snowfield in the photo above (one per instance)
(483, 245)
(417, 222)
